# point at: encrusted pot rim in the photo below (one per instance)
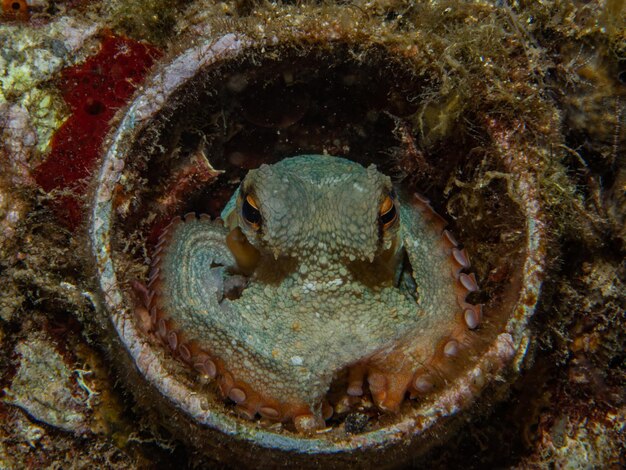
(504, 354)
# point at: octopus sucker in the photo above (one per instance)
(267, 312)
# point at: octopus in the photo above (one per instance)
(237, 320)
(311, 305)
(318, 266)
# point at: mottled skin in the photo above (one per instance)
(314, 283)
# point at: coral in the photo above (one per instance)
(24, 444)
(94, 90)
(53, 400)
(580, 443)
(148, 20)
(17, 140)
(30, 57)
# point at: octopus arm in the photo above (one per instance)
(419, 361)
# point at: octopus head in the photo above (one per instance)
(325, 209)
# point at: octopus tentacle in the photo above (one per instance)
(388, 385)
(464, 284)
(249, 402)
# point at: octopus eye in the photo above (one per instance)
(250, 212)
(388, 213)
